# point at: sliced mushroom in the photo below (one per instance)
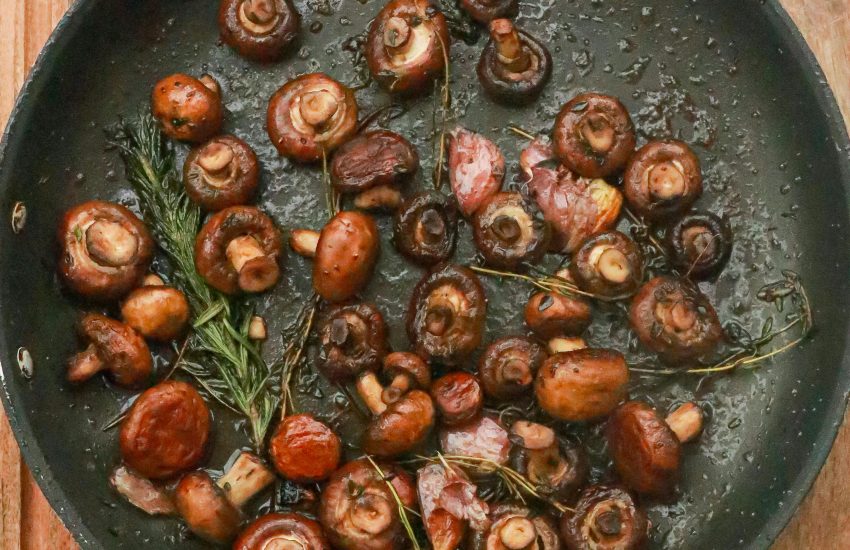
(606, 517)
(608, 264)
(483, 438)
(459, 398)
(187, 108)
(700, 244)
(345, 256)
(558, 468)
(160, 312)
(353, 340)
(220, 173)
(552, 314)
(112, 347)
(258, 29)
(282, 532)
(509, 231)
(508, 367)
(662, 180)
(425, 228)
(514, 66)
(373, 159)
(476, 169)
(304, 450)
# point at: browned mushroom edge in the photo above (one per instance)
(284, 531)
(258, 29)
(187, 108)
(484, 11)
(662, 180)
(700, 243)
(508, 366)
(605, 516)
(353, 340)
(111, 347)
(425, 228)
(222, 172)
(609, 265)
(514, 66)
(510, 231)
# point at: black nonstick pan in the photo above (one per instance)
(735, 79)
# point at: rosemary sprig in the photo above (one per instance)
(402, 509)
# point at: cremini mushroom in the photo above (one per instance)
(304, 450)
(425, 228)
(508, 366)
(606, 517)
(510, 231)
(516, 527)
(514, 65)
(662, 180)
(220, 173)
(282, 531)
(158, 312)
(187, 108)
(258, 29)
(353, 339)
(484, 11)
(346, 253)
(459, 398)
(558, 467)
(373, 159)
(608, 264)
(552, 315)
(112, 347)
(700, 244)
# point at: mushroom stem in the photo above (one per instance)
(564, 344)
(382, 196)
(534, 436)
(597, 132)
(686, 421)
(247, 477)
(318, 107)
(152, 279)
(304, 242)
(84, 365)
(400, 384)
(371, 390)
(242, 250)
(216, 157)
(110, 244)
(396, 33)
(666, 181)
(509, 48)
(210, 83)
(613, 266)
(518, 533)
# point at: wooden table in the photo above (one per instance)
(26, 519)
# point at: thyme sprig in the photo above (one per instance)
(545, 281)
(295, 338)
(442, 104)
(402, 509)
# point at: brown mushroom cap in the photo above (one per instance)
(662, 180)
(608, 264)
(514, 66)
(160, 313)
(105, 250)
(112, 347)
(606, 517)
(345, 256)
(311, 116)
(238, 250)
(353, 340)
(552, 315)
(403, 426)
(258, 29)
(509, 231)
(406, 371)
(700, 243)
(425, 228)
(205, 509)
(220, 173)
(508, 366)
(459, 397)
(304, 450)
(285, 531)
(187, 108)
(557, 467)
(372, 159)
(166, 430)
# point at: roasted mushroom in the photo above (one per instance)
(662, 180)
(304, 450)
(476, 169)
(445, 318)
(105, 250)
(220, 173)
(353, 340)
(675, 320)
(401, 426)
(282, 532)
(514, 66)
(645, 449)
(459, 398)
(557, 467)
(484, 11)
(158, 312)
(581, 385)
(606, 517)
(699, 244)
(445, 531)
(407, 46)
(373, 159)
(509, 231)
(311, 116)
(594, 135)
(405, 371)
(508, 367)
(381, 197)
(609, 265)
(425, 228)
(187, 108)
(515, 527)
(484, 438)
(345, 256)
(552, 315)
(238, 250)
(112, 347)
(165, 431)
(359, 511)
(258, 29)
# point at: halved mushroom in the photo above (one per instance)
(675, 320)
(509, 231)
(582, 385)
(552, 315)
(558, 468)
(112, 347)
(165, 431)
(373, 159)
(238, 250)
(358, 510)
(304, 450)
(407, 46)
(445, 318)
(220, 173)
(258, 29)
(105, 250)
(594, 135)
(476, 169)
(508, 367)
(459, 398)
(515, 527)
(514, 65)
(662, 180)
(425, 228)
(187, 108)
(282, 532)
(606, 517)
(311, 116)
(484, 11)
(345, 256)
(483, 438)
(353, 340)
(608, 264)
(158, 312)
(700, 243)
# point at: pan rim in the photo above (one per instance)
(39, 76)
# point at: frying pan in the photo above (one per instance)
(733, 78)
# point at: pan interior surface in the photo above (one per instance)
(726, 76)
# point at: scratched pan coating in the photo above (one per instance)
(733, 78)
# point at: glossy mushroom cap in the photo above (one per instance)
(205, 509)
(484, 11)
(220, 173)
(187, 108)
(594, 135)
(105, 250)
(375, 158)
(558, 468)
(425, 228)
(608, 264)
(258, 29)
(346, 253)
(510, 231)
(508, 366)
(552, 315)
(311, 116)
(700, 244)
(112, 347)
(514, 66)
(403, 426)
(459, 398)
(407, 46)
(662, 180)
(238, 250)
(160, 313)
(606, 517)
(304, 450)
(353, 340)
(282, 531)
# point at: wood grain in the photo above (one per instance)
(28, 522)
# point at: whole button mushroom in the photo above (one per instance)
(345, 256)
(700, 244)
(286, 531)
(557, 468)
(514, 66)
(484, 11)
(220, 173)
(459, 398)
(609, 265)
(105, 250)
(359, 512)
(407, 46)
(238, 250)
(373, 159)
(662, 180)
(112, 347)
(606, 517)
(157, 312)
(304, 450)
(552, 315)
(311, 116)
(515, 527)
(187, 108)
(509, 231)
(445, 318)
(594, 135)
(582, 385)
(165, 431)
(675, 320)
(476, 169)
(484, 438)
(258, 29)
(353, 340)
(508, 367)
(425, 228)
